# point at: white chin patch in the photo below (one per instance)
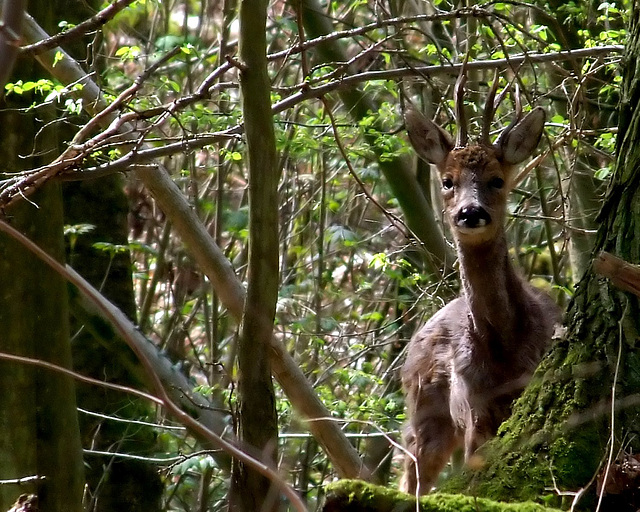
(479, 228)
(471, 231)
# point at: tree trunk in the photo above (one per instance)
(561, 429)
(38, 409)
(258, 427)
(103, 205)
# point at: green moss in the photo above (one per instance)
(358, 496)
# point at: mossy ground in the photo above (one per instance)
(359, 496)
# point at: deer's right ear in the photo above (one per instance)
(517, 142)
(431, 142)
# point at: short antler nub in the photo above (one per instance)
(489, 112)
(458, 100)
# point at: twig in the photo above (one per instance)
(120, 455)
(22, 480)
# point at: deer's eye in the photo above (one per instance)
(447, 183)
(496, 183)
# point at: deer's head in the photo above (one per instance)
(476, 179)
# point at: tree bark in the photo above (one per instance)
(103, 205)
(38, 410)
(561, 431)
(258, 427)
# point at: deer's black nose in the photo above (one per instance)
(473, 217)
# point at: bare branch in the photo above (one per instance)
(70, 373)
(452, 69)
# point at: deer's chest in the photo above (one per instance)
(484, 382)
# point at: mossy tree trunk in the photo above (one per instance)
(561, 429)
(40, 434)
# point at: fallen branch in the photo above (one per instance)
(625, 276)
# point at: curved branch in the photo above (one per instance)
(5, 356)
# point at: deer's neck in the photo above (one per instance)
(492, 289)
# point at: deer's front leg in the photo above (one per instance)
(430, 438)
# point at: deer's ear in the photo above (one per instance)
(518, 142)
(430, 141)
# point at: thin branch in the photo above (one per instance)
(442, 69)
(95, 22)
(22, 480)
(148, 154)
(117, 419)
(4, 356)
(129, 456)
(475, 12)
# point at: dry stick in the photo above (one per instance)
(23, 480)
(116, 317)
(218, 269)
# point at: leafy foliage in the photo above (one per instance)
(353, 284)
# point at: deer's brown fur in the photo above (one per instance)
(470, 361)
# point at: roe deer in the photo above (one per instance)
(467, 364)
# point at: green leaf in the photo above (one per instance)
(57, 58)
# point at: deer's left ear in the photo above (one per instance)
(431, 142)
(518, 142)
